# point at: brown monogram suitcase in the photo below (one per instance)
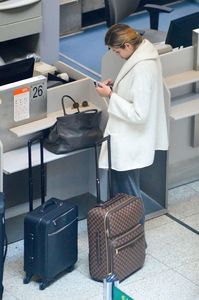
(115, 234)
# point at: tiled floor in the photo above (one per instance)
(171, 270)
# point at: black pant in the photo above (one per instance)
(126, 182)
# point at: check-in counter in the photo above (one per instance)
(67, 176)
(181, 74)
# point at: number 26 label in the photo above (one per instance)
(37, 91)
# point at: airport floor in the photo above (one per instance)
(170, 272)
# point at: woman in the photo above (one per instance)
(137, 120)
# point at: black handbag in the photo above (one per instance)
(74, 131)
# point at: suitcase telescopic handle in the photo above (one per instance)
(49, 203)
(106, 139)
(36, 139)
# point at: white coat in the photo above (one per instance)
(137, 120)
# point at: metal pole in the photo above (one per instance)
(107, 289)
(110, 281)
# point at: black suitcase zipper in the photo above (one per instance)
(67, 212)
(61, 229)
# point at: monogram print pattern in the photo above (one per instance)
(116, 237)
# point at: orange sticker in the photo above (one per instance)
(21, 91)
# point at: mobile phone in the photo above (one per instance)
(97, 83)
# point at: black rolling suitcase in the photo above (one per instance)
(3, 241)
(50, 233)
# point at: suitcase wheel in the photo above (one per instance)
(43, 285)
(26, 279)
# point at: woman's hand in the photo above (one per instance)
(103, 90)
(108, 82)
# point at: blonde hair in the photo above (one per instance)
(119, 34)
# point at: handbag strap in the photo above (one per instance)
(63, 103)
